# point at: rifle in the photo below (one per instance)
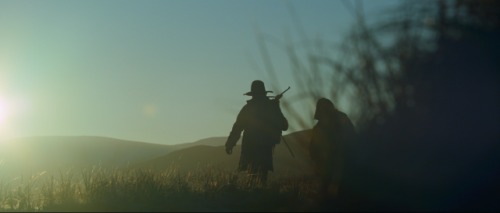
(277, 98)
(281, 94)
(287, 146)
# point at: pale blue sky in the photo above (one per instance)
(154, 71)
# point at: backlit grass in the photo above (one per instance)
(149, 190)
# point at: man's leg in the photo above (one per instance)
(258, 175)
(323, 176)
(263, 176)
(253, 173)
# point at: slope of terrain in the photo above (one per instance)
(199, 157)
(53, 153)
(213, 141)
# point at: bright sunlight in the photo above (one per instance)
(2, 111)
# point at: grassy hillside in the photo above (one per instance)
(55, 154)
(36, 154)
(199, 157)
(148, 190)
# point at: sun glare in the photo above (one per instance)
(2, 111)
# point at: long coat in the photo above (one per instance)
(262, 121)
(328, 142)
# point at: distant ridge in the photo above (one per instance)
(212, 141)
(31, 155)
(198, 157)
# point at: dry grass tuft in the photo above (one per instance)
(148, 190)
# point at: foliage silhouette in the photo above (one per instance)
(422, 87)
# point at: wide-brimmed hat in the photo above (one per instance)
(257, 88)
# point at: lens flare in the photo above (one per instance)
(149, 110)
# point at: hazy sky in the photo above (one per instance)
(154, 71)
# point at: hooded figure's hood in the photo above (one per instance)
(324, 109)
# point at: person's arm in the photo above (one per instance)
(235, 134)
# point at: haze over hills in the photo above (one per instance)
(31, 155)
(53, 153)
(200, 156)
(213, 141)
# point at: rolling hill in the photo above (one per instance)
(198, 157)
(30, 155)
(213, 141)
(54, 154)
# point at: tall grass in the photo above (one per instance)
(212, 189)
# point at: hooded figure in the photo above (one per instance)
(262, 121)
(327, 147)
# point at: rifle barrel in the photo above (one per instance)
(285, 90)
(287, 146)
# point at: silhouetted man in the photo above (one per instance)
(262, 121)
(329, 137)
